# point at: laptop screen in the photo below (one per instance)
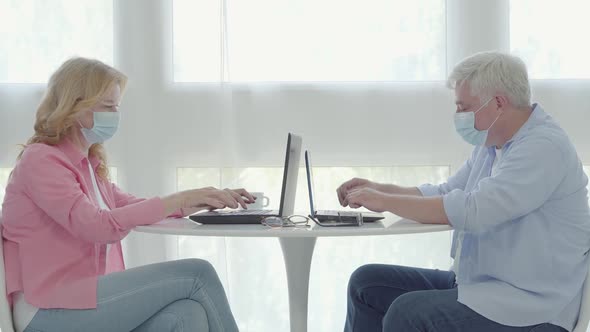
(309, 171)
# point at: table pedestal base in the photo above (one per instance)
(297, 253)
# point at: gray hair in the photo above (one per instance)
(489, 73)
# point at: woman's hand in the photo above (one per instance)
(192, 201)
(242, 196)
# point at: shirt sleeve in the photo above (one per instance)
(525, 179)
(456, 181)
(123, 199)
(52, 185)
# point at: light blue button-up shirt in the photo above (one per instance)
(525, 230)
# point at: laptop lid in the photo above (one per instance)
(290, 174)
(309, 172)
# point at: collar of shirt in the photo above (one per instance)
(75, 155)
(535, 117)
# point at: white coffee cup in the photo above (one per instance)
(260, 203)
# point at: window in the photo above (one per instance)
(330, 271)
(4, 174)
(191, 178)
(114, 173)
(36, 36)
(309, 40)
(546, 34)
(326, 180)
(197, 40)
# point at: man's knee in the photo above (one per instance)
(359, 277)
(365, 275)
(407, 313)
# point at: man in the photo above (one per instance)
(519, 210)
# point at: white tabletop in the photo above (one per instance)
(392, 224)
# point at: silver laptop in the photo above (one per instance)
(288, 192)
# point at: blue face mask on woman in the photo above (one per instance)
(105, 127)
(465, 126)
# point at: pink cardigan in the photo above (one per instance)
(55, 235)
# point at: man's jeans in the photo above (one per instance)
(393, 298)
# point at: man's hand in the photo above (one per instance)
(351, 185)
(367, 197)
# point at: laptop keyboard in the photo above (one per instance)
(335, 213)
(247, 212)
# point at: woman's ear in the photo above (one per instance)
(84, 118)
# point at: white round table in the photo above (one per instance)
(297, 245)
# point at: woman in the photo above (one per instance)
(63, 221)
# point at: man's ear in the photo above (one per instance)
(501, 101)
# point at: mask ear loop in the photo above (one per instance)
(482, 106)
(80, 123)
(501, 112)
(490, 127)
(81, 126)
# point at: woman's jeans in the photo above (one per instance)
(393, 298)
(183, 295)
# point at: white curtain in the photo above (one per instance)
(233, 133)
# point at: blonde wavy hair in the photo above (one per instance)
(78, 84)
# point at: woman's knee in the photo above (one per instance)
(184, 315)
(199, 264)
(196, 267)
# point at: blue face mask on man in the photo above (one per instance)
(465, 126)
(105, 127)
